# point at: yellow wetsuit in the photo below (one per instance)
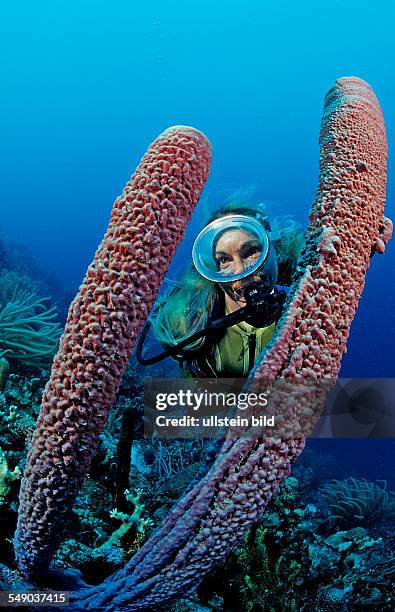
(238, 350)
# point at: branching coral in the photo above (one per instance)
(7, 414)
(134, 520)
(28, 330)
(352, 501)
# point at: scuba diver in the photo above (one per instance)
(225, 309)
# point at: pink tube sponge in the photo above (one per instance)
(147, 223)
(347, 225)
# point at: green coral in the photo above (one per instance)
(134, 520)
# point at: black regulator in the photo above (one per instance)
(261, 310)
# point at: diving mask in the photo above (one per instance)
(234, 251)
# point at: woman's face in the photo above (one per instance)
(235, 252)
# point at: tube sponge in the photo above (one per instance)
(147, 222)
(346, 224)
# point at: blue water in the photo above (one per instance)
(87, 85)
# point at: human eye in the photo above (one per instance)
(223, 262)
(252, 252)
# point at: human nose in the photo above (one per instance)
(238, 265)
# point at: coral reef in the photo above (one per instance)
(19, 406)
(288, 561)
(294, 558)
(121, 284)
(346, 224)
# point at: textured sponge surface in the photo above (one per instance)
(147, 223)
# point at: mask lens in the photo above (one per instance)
(230, 248)
(264, 278)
